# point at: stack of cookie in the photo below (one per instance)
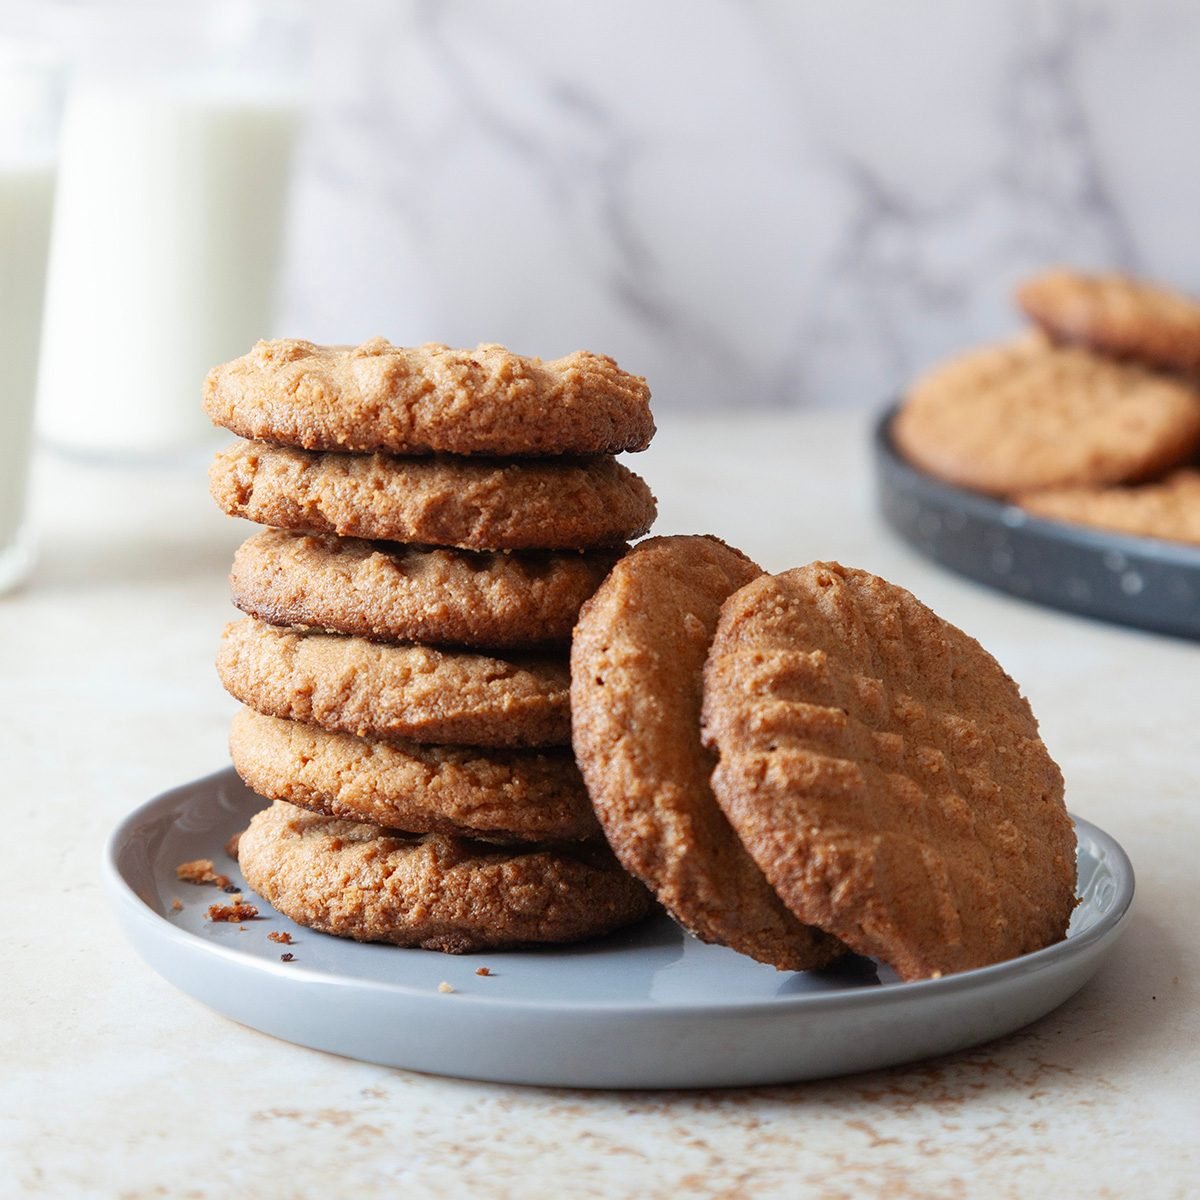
(1094, 418)
(436, 519)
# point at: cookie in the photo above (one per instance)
(886, 774)
(1029, 415)
(499, 795)
(453, 597)
(636, 663)
(1116, 315)
(474, 503)
(429, 399)
(1167, 508)
(440, 893)
(351, 685)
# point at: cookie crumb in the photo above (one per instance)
(483, 970)
(231, 846)
(280, 936)
(231, 888)
(231, 912)
(444, 987)
(288, 957)
(177, 905)
(199, 870)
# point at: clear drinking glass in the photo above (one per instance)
(173, 176)
(30, 104)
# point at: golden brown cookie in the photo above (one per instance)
(886, 774)
(1028, 415)
(429, 399)
(376, 690)
(453, 597)
(440, 893)
(1166, 508)
(1117, 315)
(474, 503)
(636, 663)
(498, 795)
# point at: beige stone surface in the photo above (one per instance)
(115, 1084)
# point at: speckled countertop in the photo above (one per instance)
(114, 1084)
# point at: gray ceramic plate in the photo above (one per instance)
(651, 1007)
(1139, 581)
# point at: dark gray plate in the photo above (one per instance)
(1113, 576)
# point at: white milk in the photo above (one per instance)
(26, 198)
(166, 244)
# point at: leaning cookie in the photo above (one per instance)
(636, 663)
(886, 774)
(473, 503)
(429, 399)
(1029, 414)
(1165, 508)
(1116, 315)
(519, 600)
(351, 685)
(497, 795)
(439, 893)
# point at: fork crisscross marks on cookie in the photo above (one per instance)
(885, 773)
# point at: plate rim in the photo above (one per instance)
(124, 899)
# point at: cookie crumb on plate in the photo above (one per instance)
(231, 912)
(200, 871)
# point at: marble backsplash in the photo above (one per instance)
(751, 202)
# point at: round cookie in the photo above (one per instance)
(439, 893)
(1028, 415)
(886, 774)
(351, 685)
(1116, 315)
(499, 795)
(636, 663)
(429, 399)
(473, 503)
(1166, 508)
(453, 597)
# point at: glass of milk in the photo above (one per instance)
(30, 99)
(168, 221)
